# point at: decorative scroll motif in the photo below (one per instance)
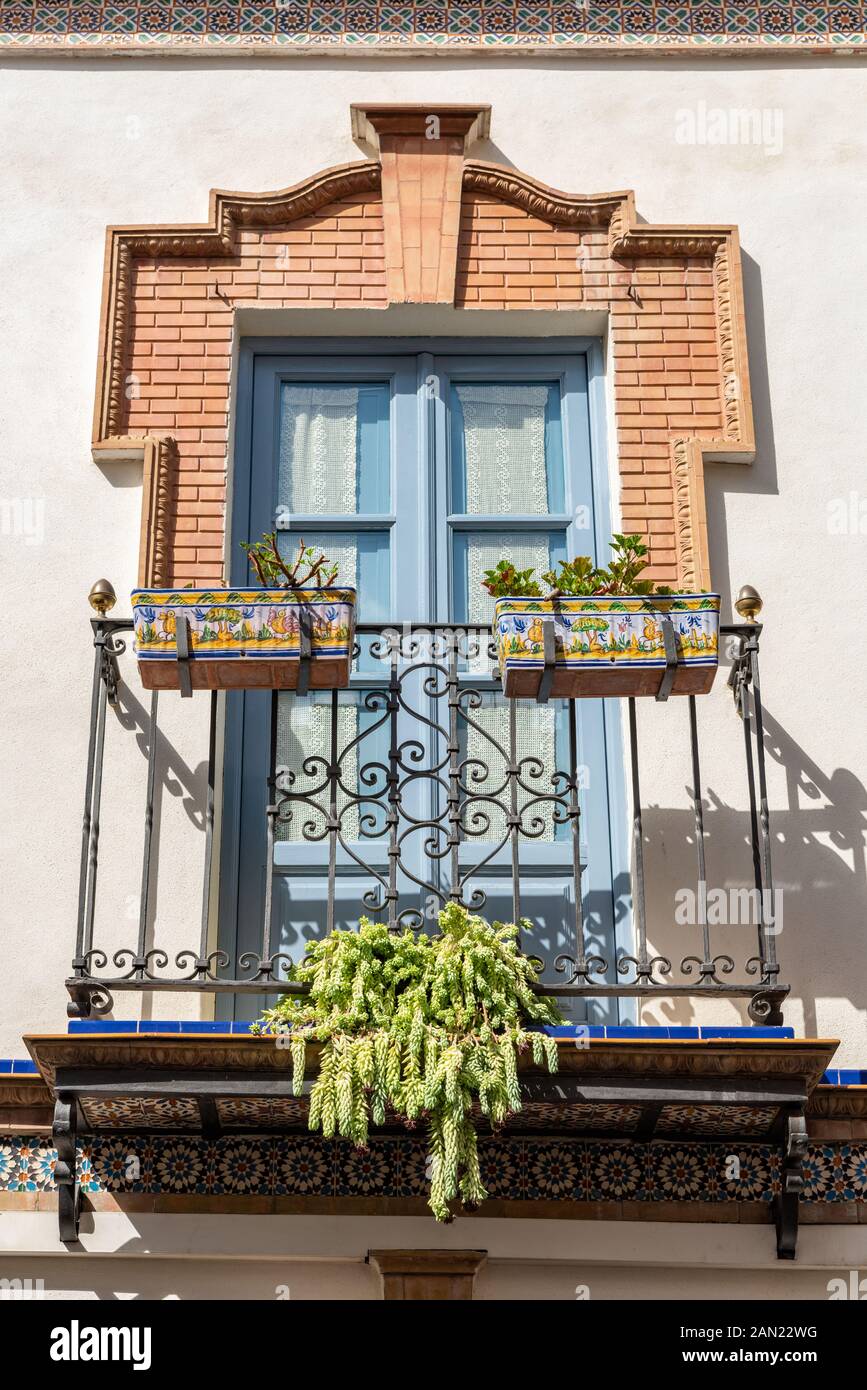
(566, 209)
(726, 331)
(687, 569)
(161, 467)
(230, 212)
(473, 785)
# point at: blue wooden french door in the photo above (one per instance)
(415, 469)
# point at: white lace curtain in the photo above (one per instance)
(318, 429)
(318, 469)
(504, 445)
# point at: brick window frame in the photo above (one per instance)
(422, 223)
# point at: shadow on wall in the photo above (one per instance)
(758, 478)
(818, 856)
(173, 779)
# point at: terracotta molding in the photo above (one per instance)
(229, 213)
(370, 122)
(566, 209)
(421, 149)
(429, 1275)
(158, 490)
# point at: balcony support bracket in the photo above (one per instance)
(305, 650)
(670, 644)
(549, 662)
(184, 649)
(791, 1186)
(64, 1133)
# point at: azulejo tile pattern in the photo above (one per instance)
(513, 1168)
(432, 23)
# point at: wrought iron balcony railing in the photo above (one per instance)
(424, 797)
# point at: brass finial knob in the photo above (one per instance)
(102, 597)
(749, 603)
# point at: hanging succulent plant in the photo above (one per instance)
(421, 1027)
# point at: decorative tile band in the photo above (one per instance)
(554, 24)
(513, 1169)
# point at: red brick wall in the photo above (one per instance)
(179, 355)
(667, 376)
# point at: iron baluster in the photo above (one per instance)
(514, 820)
(769, 954)
(140, 963)
(454, 794)
(393, 783)
(271, 813)
(96, 694)
(333, 818)
(575, 832)
(707, 968)
(209, 833)
(642, 964)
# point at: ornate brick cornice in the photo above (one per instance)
(229, 213)
(538, 199)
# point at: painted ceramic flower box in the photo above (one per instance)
(244, 638)
(607, 645)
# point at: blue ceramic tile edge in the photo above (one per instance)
(132, 1025)
(567, 1030)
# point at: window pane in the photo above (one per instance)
(334, 454)
(506, 445)
(362, 558)
(477, 551)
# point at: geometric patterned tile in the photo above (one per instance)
(616, 1172)
(579, 1116)
(304, 1167)
(514, 1168)
(242, 1167)
(365, 23)
(834, 1174)
(716, 1119)
(164, 1112)
(262, 1110)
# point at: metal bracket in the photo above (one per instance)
(791, 1187)
(305, 650)
(183, 642)
(110, 647)
(549, 662)
(670, 643)
(64, 1133)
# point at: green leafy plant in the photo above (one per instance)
(580, 577)
(422, 1028)
(505, 579)
(273, 572)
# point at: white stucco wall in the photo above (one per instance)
(143, 140)
(298, 1258)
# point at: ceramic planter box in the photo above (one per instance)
(243, 638)
(607, 646)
